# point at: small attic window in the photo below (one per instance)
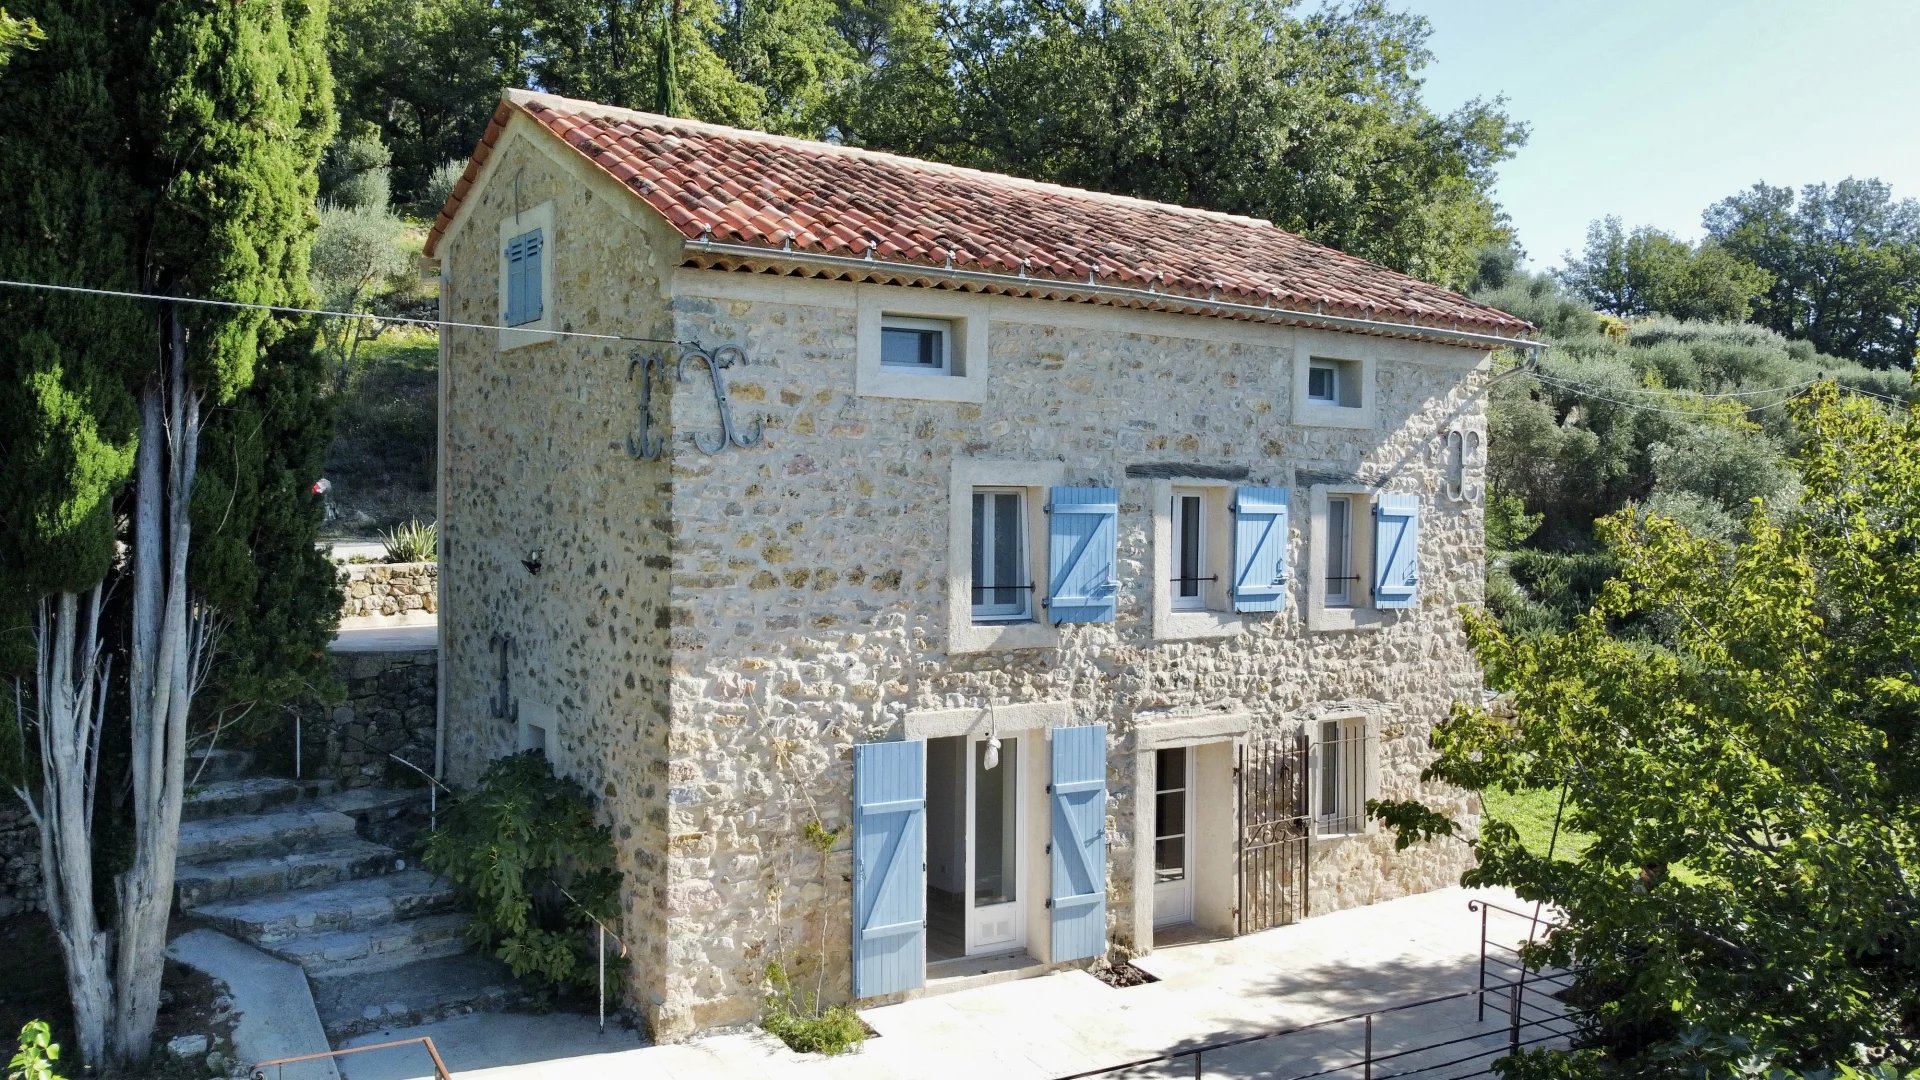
(923, 346)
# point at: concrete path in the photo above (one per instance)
(1332, 966)
(490, 1042)
(409, 637)
(276, 1014)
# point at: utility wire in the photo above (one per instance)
(283, 310)
(1592, 393)
(1670, 392)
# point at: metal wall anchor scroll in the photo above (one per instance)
(646, 445)
(502, 705)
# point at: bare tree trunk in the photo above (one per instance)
(69, 692)
(165, 667)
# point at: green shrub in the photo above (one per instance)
(413, 542)
(523, 850)
(37, 1054)
(806, 1027)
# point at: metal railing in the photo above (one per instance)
(434, 786)
(1505, 979)
(1520, 1032)
(279, 1065)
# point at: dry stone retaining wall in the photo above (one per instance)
(20, 886)
(388, 592)
(389, 709)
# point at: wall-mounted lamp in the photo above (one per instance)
(532, 561)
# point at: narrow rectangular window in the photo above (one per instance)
(1190, 573)
(1323, 383)
(1330, 801)
(920, 345)
(1340, 576)
(1001, 591)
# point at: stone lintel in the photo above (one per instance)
(1025, 716)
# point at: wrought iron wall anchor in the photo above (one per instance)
(717, 361)
(502, 706)
(648, 445)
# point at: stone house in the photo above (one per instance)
(1087, 561)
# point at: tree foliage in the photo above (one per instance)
(1313, 119)
(1736, 725)
(1844, 261)
(1648, 272)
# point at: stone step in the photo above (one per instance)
(379, 948)
(247, 795)
(359, 904)
(219, 764)
(280, 832)
(417, 993)
(204, 883)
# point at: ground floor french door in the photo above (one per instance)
(1173, 829)
(977, 858)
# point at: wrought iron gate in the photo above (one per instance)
(1275, 832)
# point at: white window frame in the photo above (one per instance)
(1355, 759)
(539, 330)
(942, 327)
(1353, 372)
(1213, 616)
(1332, 368)
(964, 317)
(1032, 479)
(1339, 555)
(1184, 498)
(1358, 613)
(1022, 611)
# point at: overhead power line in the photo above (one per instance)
(280, 309)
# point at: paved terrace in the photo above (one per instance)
(1336, 965)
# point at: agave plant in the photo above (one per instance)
(412, 542)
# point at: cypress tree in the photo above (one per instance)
(170, 147)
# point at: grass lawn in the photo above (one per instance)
(1532, 814)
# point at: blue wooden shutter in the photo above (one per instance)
(889, 867)
(1396, 551)
(536, 257)
(1260, 549)
(524, 258)
(1078, 892)
(1084, 584)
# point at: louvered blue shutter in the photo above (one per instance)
(889, 867)
(1260, 549)
(1078, 894)
(1396, 551)
(524, 259)
(535, 259)
(1084, 583)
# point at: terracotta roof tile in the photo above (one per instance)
(747, 187)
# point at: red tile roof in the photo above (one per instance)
(735, 187)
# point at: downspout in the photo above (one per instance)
(445, 381)
(1149, 297)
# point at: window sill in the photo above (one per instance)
(1196, 625)
(996, 637)
(521, 337)
(1320, 618)
(920, 385)
(1316, 414)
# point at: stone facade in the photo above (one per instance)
(20, 885)
(389, 709)
(710, 634)
(377, 593)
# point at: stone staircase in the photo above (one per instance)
(294, 869)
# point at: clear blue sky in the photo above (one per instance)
(1654, 109)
